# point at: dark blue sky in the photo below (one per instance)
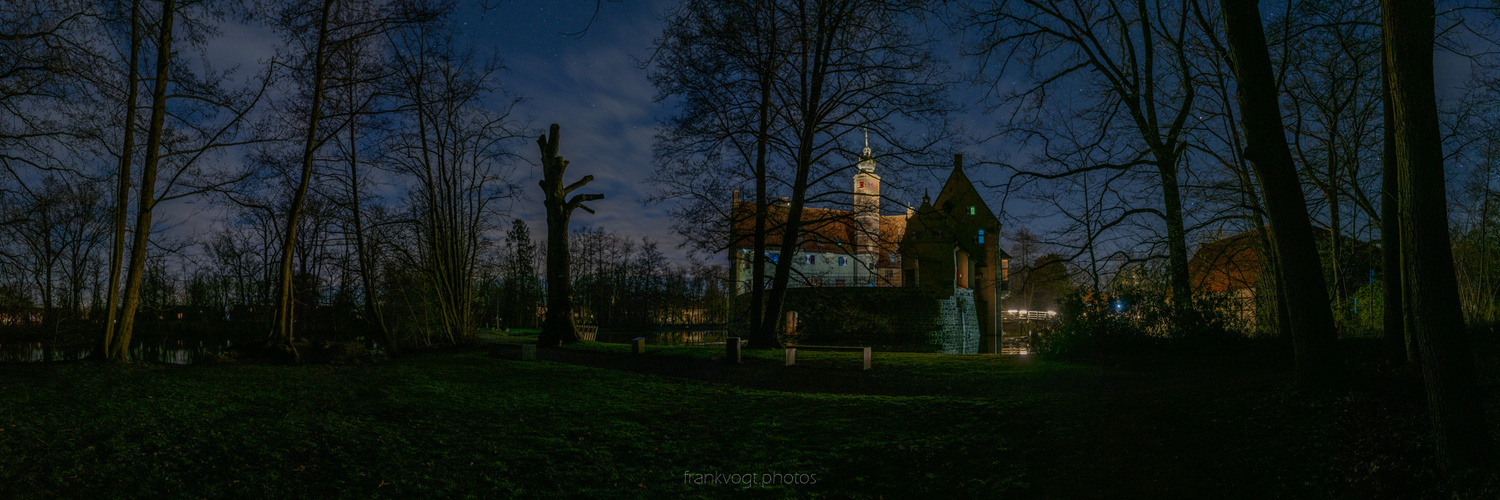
(593, 87)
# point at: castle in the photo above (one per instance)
(949, 245)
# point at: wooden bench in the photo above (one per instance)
(791, 352)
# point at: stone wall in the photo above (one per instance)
(888, 319)
(960, 324)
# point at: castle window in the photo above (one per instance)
(979, 238)
(843, 261)
(889, 273)
(812, 259)
(774, 256)
(971, 209)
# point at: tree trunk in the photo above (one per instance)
(1458, 420)
(1394, 333)
(760, 337)
(558, 327)
(780, 281)
(366, 267)
(1313, 333)
(280, 336)
(815, 54)
(122, 194)
(1177, 258)
(120, 350)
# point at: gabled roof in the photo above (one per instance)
(959, 191)
(949, 212)
(824, 230)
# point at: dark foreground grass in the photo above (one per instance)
(457, 425)
(918, 426)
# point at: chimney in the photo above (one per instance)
(736, 200)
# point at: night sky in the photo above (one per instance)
(593, 86)
(590, 85)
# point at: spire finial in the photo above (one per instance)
(866, 158)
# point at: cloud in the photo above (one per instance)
(591, 87)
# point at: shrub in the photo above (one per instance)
(1133, 322)
(1090, 327)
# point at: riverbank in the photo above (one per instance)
(466, 423)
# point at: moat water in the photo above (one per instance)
(167, 351)
(177, 352)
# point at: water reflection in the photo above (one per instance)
(177, 352)
(180, 352)
(684, 338)
(1014, 345)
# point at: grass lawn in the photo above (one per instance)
(467, 424)
(460, 424)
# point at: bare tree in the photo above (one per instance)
(846, 65)
(720, 61)
(336, 71)
(452, 148)
(122, 178)
(1453, 402)
(1139, 75)
(54, 244)
(559, 326)
(280, 336)
(180, 147)
(1332, 81)
(770, 94)
(1314, 335)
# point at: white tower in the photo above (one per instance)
(866, 213)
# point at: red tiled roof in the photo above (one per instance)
(1232, 263)
(824, 230)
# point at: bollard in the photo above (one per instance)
(528, 352)
(732, 350)
(638, 345)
